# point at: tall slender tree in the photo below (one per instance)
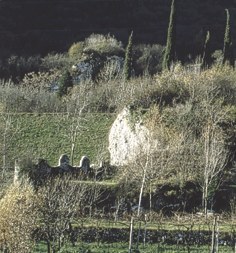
(171, 38)
(228, 52)
(206, 58)
(128, 58)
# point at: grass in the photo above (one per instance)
(156, 225)
(123, 248)
(49, 135)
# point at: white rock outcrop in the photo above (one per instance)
(127, 139)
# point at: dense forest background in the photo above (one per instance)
(29, 27)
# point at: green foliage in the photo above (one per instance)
(55, 61)
(217, 57)
(228, 51)
(171, 37)
(147, 58)
(206, 58)
(76, 50)
(65, 83)
(104, 45)
(128, 65)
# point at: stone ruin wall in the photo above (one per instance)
(44, 170)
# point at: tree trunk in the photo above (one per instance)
(205, 206)
(205, 198)
(131, 235)
(90, 211)
(49, 247)
(72, 153)
(53, 249)
(215, 235)
(145, 231)
(150, 200)
(141, 192)
(139, 228)
(60, 242)
(117, 210)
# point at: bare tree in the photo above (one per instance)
(204, 157)
(77, 104)
(94, 195)
(145, 164)
(59, 200)
(214, 160)
(202, 152)
(151, 164)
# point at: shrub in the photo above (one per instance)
(217, 56)
(76, 50)
(106, 45)
(32, 95)
(65, 82)
(112, 69)
(16, 67)
(40, 80)
(148, 58)
(18, 219)
(99, 53)
(55, 61)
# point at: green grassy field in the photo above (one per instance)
(123, 248)
(49, 135)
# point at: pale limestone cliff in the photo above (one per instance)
(127, 139)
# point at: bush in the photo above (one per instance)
(114, 95)
(218, 57)
(103, 44)
(76, 50)
(18, 219)
(65, 82)
(40, 80)
(29, 96)
(112, 69)
(148, 58)
(15, 67)
(99, 56)
(55, 61)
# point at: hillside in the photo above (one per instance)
(186, 162)
(38, 27)
(33, 136)
(156, 132)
